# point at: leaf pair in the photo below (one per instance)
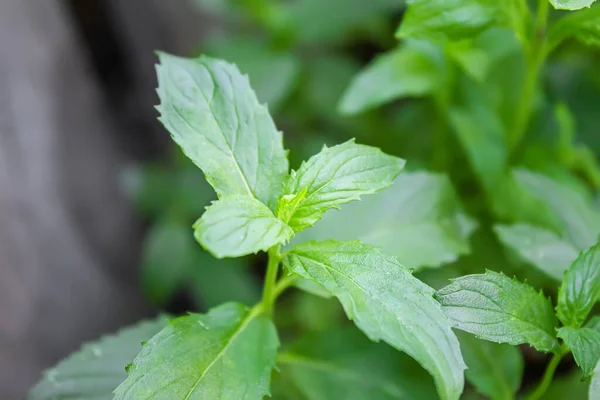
(499, 309)
(212, 113)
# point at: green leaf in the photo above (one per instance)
(409, 70)
(343, 364)
(582, 25)
(443, 20)
(571, 4)
(494, 369)
(98, 368)
(499, 309)
(237, 226)
(227, 354)
(580, 288)
(335, 176)
(212, 113)
(387, 303)
(585, 345)
(542, 248)
(419, 219)
(335, 21)
(166, 260)
(580, 221)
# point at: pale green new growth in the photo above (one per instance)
(419, 219)
(542, 248)
(212, 113)
(571, 4)
(227, 354)
(497, 308)
(336, 176)
(494, 369)
(406, 71)
(580, 288)
(387, 303)
(442, 20)
(98, 368)
(237, 226)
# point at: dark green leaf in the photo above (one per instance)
(212, 113)
(419, 219)
(335, 176)
(343, 364)
(494, 369)
(503, 310)
(387, 303)
(580, 288)
(542, 248)
(585, 345)
(237, 226)
(582, 25)
(94, 372)
(213, 281)
(227, 354)
(166, 257)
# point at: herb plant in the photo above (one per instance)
(473, 80)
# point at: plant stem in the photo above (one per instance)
(269, 293)
(535, 54)
(548, 375)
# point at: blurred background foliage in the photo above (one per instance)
(493, 181)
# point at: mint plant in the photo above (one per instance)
(212, 113)
(479, 106)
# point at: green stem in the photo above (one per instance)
(269, 293)
(548, 375)
(282, 285)
(535, 55)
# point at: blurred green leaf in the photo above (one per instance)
(167, 253)
(542, 248)
(343, 364)
(98, 367)
(238, 226)
(413, 69)
(566, 387)
(582, 25)
(333, 21)
(229, 347)
(387, 303)
(585, 345)
(273, 74)
(212, 112)
(500, 309)
(443, 20)
(580, 288)
(213, 281)
(494, 369)
(419, 219)
(580, 220)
